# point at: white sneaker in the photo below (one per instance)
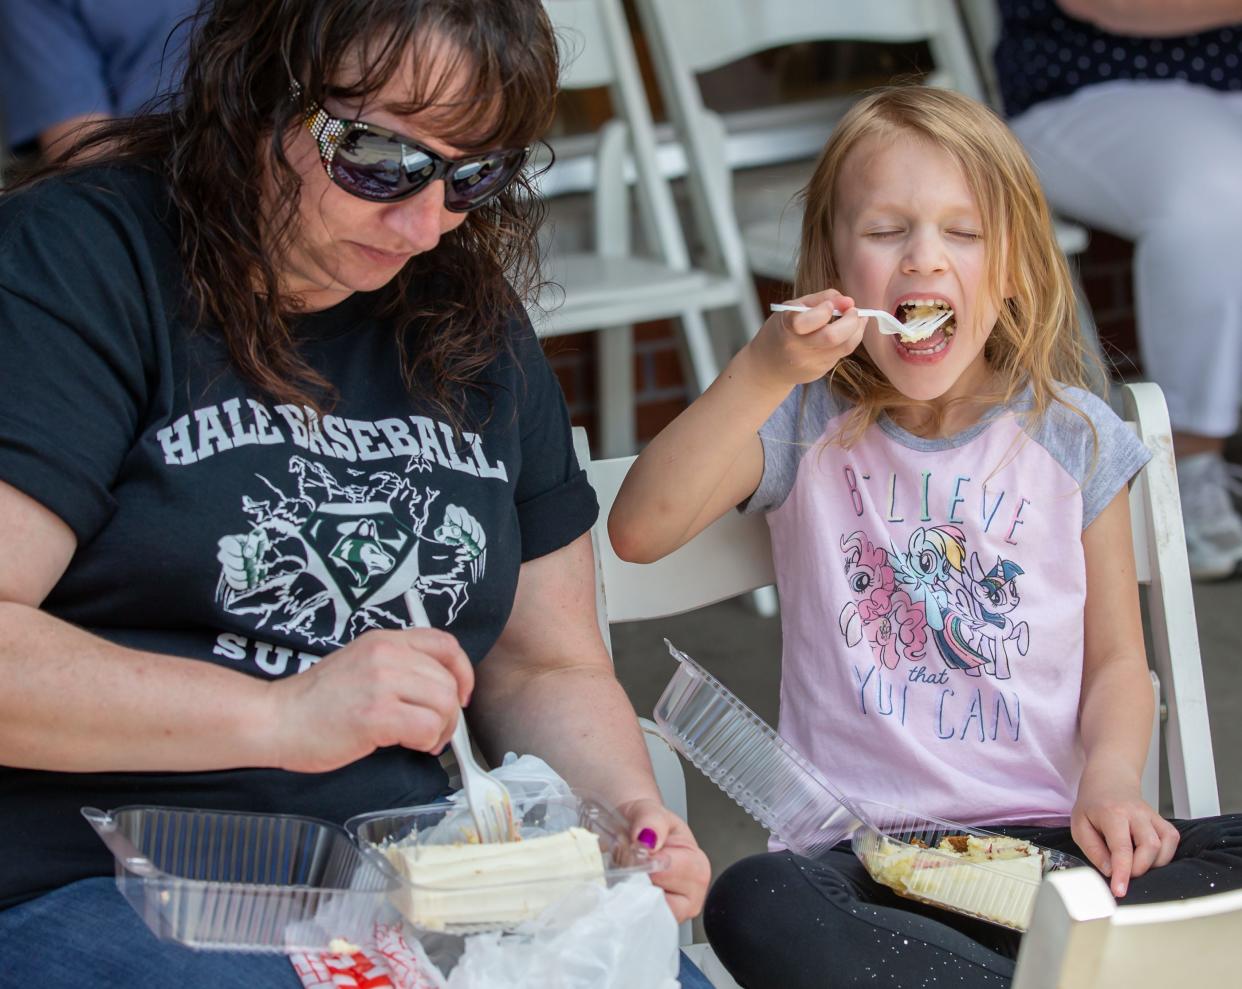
(1213, 527)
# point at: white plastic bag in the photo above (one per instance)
(624, 937)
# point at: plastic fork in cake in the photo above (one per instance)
(486, 796)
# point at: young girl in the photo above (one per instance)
(951, 534)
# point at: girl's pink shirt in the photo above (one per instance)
(932, 599)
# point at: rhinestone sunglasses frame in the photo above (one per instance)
(328, 130)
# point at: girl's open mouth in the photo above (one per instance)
(925, 309)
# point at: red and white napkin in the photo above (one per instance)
(389, 960)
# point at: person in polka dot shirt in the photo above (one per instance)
(1132, 113)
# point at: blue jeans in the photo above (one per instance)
(691, 977)
(86, 934)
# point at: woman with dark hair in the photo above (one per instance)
(266, 370)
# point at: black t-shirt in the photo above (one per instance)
(1044, 53)
(216, 525)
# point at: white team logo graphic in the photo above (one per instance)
(324, 563)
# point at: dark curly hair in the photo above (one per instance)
(236, 99)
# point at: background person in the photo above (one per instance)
(1132, 113)
(69, 63)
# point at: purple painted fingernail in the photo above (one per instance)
(647, 837)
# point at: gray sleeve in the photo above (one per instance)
(788, 434)
(1102, 462)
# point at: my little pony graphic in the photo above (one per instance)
(895, 626)
(927, 568)
(900, 599)
(978, 628)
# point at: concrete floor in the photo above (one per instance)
(743, 650)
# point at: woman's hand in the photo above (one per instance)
(387, 687)
(685, 880)
(793, 348)
(1117, 829)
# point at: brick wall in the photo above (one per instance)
(661, 391)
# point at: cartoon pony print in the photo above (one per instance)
(895, 626)
(979, 630)
(927, 568)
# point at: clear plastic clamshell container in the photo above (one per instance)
(473, 905)
(740, 753)
(243, 882)
(998, 882)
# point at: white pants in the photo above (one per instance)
(1160, 163)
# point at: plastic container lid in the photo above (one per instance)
(220, 880)
(741, 754)
(447, 823)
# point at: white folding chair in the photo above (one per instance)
(1081, 939)
(612, 286)
(733, 555)
(690, 37)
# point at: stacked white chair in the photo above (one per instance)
(690, 37)
(613, 286)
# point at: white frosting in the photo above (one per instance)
(496, 883)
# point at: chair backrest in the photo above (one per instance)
(1081, 939)
(734, 555)
(609, 284)
(690, 37)
(697, 35)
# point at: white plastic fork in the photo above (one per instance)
(888, 323)
(487, 797)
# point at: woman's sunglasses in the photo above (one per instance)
(381, 166)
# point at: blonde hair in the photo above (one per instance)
(1037, 339)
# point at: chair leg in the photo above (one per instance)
(698, 350)
(615, 388)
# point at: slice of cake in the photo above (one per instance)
(493, 884)
(990, 876)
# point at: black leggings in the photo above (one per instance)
(780, 921)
